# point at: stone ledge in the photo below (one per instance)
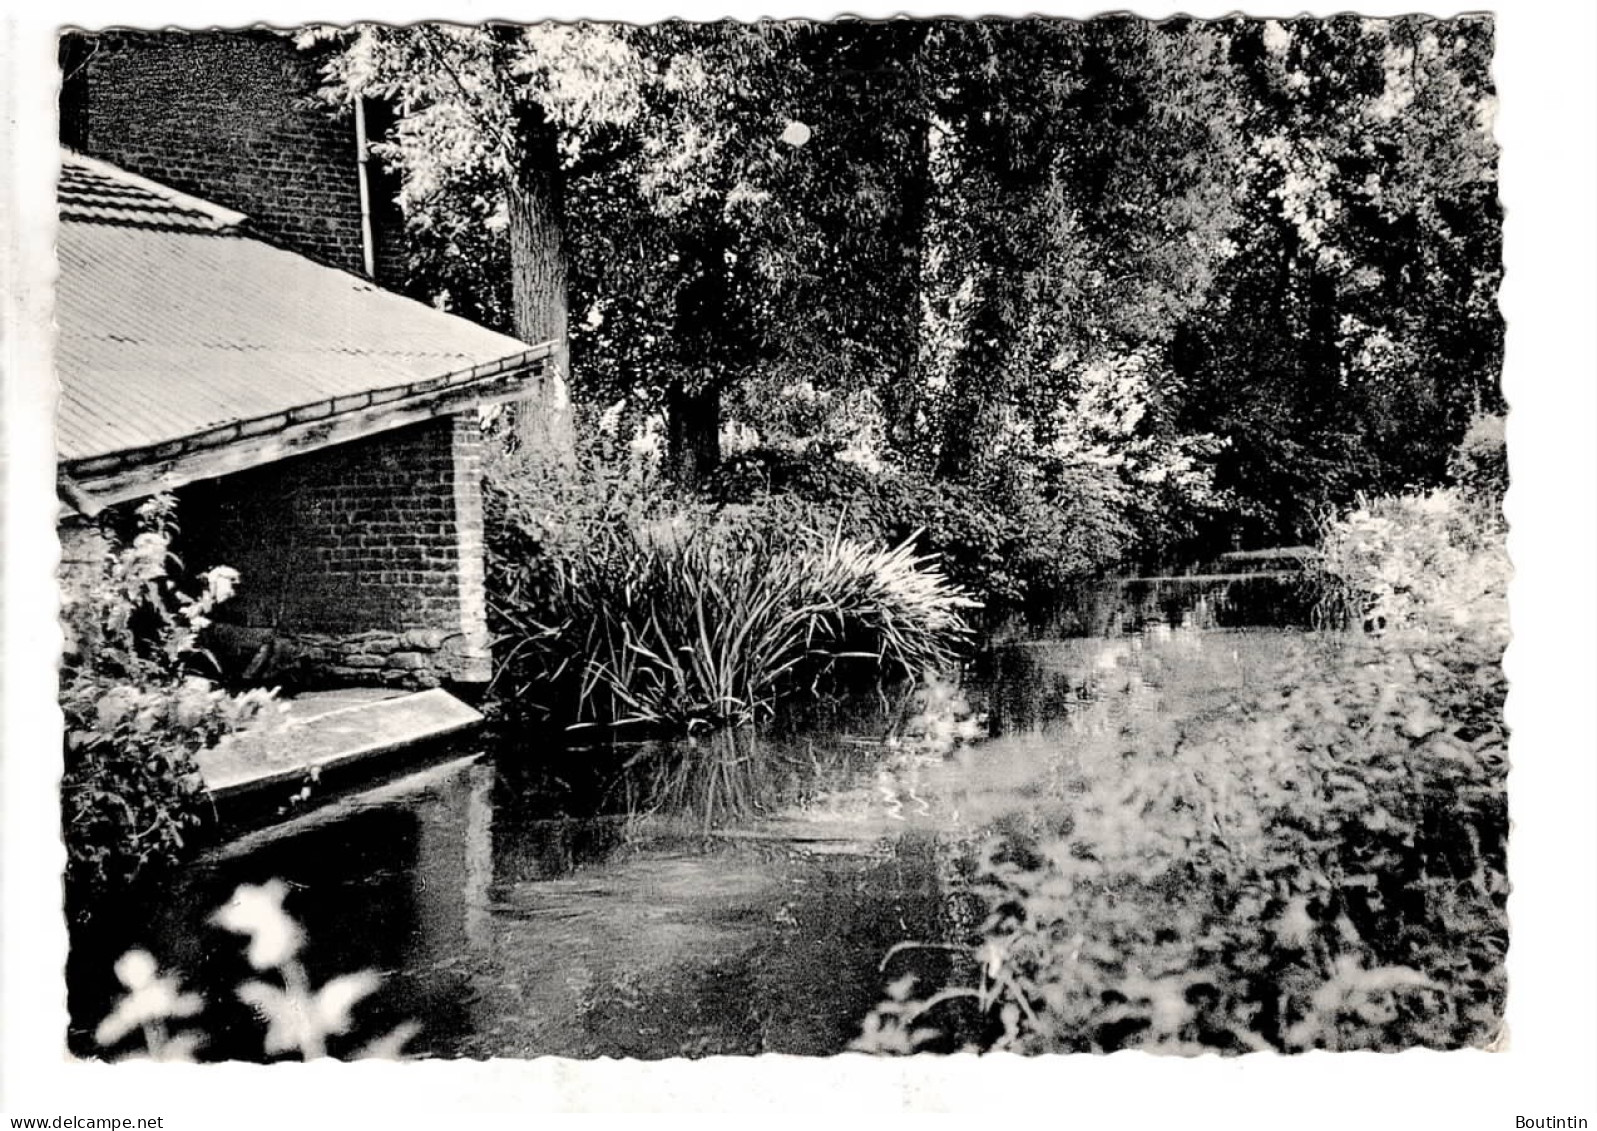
(298, 750)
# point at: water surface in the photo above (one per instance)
(735, 897)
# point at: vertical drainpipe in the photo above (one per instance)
(368, 249)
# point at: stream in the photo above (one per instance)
(738, 897)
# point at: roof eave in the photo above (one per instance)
(92, 483)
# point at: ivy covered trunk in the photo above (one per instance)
(977, 395)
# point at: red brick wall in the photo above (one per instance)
(231, 117)
(362, 562)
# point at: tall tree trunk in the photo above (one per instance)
(979, 382)
(538, 284)
(907, 130)
(693, 432)
(1323, 321)
(693, 403)
(901, 398)
(977, 393)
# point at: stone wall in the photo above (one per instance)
(359, 564)
(83, 550)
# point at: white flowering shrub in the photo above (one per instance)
(156, 1013)
(135, 711)
(1413, 561)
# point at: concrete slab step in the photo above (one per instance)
(317, 738)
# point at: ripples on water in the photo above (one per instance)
(733, 897)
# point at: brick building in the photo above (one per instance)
(234, 117)
(321, 434)
(219, 338)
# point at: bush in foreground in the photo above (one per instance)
(154, 1018)
(1319, 866)
(135, 712)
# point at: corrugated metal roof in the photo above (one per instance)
(93, 190)
(174, 324)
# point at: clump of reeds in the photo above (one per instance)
(688, 630)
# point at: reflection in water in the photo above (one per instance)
(733, 896)
(1114, 608)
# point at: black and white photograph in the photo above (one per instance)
(878, 542)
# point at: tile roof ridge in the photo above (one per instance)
(223, 217)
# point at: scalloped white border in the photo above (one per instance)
(1545, 73)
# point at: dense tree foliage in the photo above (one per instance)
(1354, 332)
(1207, 278)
